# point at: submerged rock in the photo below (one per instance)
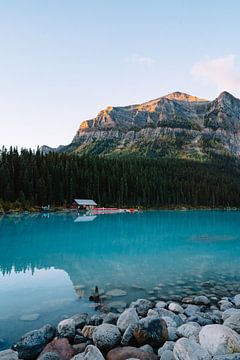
(116, 293)
(106, 337)
(32, 343)
(201, 300)
(30, 317)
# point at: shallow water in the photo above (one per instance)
(50, 263)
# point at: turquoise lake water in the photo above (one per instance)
(50, 263)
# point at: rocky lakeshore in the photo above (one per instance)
(192, 328)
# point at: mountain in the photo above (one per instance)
(175, 125)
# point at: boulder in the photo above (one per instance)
(169, 321)
(233, 322)
(168, 345)
(167, 355)
(95, 320)
(152, 331)
(202, 319)
(61, 347)
(236, 300)
(87, 331)
(188, 330)
(128, 336)
(106, 337)
(79, 339)
(228, 357)
(161, 304)
(176, 308)
(80, 320)
(191, 310)
(49, 356)
(142, 306)
(225, 304)
(147, 348)
(128, 352)
(66, 328)
(91, 353)
(111, 318)
(172, 333)
(219, 339)
(32, 343)
(163, 312)
(229, 312)
(8, 354)
(187, 349)
(128, 317)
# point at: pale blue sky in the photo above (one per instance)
(62, 61)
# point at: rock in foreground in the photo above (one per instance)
(32, 343)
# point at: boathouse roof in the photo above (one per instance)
(85, 202)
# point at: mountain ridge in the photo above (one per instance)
(176, 125)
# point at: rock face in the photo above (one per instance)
(219, 340)
(175, 123)
(32, 343)
(106, 337)
(152, 331)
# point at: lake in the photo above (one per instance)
(49, 263)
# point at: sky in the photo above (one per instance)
(62, 61)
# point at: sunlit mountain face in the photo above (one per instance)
(175, 125)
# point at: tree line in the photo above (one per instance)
(29, 179)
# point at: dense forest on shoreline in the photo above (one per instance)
(29, 179)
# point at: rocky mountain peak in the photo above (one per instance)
(177, 124)
(181, 96)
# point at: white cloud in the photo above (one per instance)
(139, 59)
(222, 72)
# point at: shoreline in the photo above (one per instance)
(38, 210)
(194, 327)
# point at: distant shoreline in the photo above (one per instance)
(38, 210)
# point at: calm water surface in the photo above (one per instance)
(49, 264)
